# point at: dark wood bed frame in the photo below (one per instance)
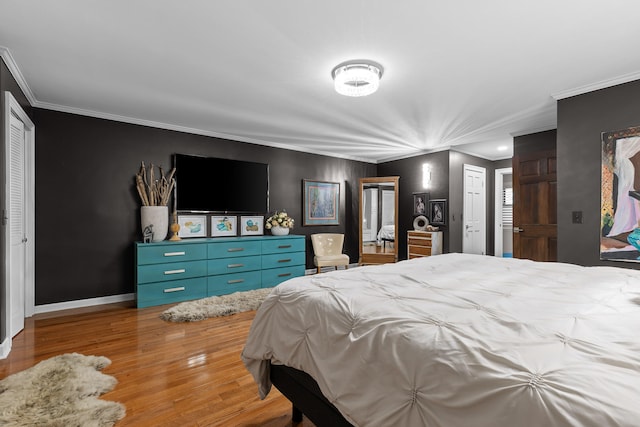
(306, 397)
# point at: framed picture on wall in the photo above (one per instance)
(224, 225)
(438, 211)
(420, 201)
(321, 202)
(192, 226)
(251, 225)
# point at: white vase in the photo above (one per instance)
(279, 231)
(158, 217)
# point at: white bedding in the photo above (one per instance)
(387, 232)
(461, 340)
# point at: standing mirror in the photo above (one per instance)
(378, 222)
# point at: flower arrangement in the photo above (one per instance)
(279, 219)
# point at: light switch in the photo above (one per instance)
(576, 217)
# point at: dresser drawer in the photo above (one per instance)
(420, 250)
(233, 265)
(274, 246)
(283, 260)
(158, 254)
(171, 292)
(229, 283)
(171, 271)
(419, 240)
(233, 249)
(274, 276)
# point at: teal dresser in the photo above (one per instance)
(170, 272)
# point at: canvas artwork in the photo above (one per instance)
(321, 202)
(620, 198)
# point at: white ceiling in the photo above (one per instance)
(466, 73)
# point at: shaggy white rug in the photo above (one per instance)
(60, 392)
(223, 305)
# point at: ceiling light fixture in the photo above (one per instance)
(357, 78)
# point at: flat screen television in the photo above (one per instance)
(211, 184)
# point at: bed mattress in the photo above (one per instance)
(460, 340)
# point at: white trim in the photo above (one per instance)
(12, 107)
(498, 235)
(5, 54)
(5, 348)
(89, 302)
(625, 78)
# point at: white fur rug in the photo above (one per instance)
(223, 305)
(60, 392)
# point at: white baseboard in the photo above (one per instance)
(5, 348)
(310, 271)
(46, 308)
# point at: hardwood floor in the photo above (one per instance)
(169, 374)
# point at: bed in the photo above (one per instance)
(454, 340)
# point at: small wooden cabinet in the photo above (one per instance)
(170, 272)
(423, 243)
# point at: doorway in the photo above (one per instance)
(503, 213)
(474, 210)
(18, 220)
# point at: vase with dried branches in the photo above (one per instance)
(154, 192)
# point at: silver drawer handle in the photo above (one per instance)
(234, 265)
(284, 246)
(174, 253)
(182, 270)
(235, 249)
(285, 260)
(181, 288)
(235, 281)
(284, 274)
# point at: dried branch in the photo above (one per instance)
(154, 192)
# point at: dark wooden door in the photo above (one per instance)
(535, 225)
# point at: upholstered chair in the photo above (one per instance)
(327, 249)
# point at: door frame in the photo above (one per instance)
(12, 107)
(483, 171)
(499, 230)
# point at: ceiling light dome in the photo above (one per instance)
(357, 78)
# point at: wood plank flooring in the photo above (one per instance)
(169, 374)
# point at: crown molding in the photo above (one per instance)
(603, 84)
(5, 54)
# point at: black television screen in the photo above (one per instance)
(211, 184)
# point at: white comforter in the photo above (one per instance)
(461, 340)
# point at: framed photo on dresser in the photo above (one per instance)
(224, 225)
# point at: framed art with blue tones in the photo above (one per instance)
(321, 202)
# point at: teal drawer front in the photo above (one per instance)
(283, 260)
(171, 292)
(233, 265)
(233, 249)
(171, 271)
(274, 276)
(274, 246)
(229, 283)
(156, 254)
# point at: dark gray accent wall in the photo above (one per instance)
(581, 121)
(88, 213)
(7, 83)
(410, 172)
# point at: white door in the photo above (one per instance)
(17, 229)
(474, 211)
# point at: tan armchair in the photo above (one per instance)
(327, 249)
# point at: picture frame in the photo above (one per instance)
(321, 202)
(252, 225)
(224, 225)
(420, 201)
(192, 226)
(438, 211)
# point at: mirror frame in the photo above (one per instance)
(378, 258)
